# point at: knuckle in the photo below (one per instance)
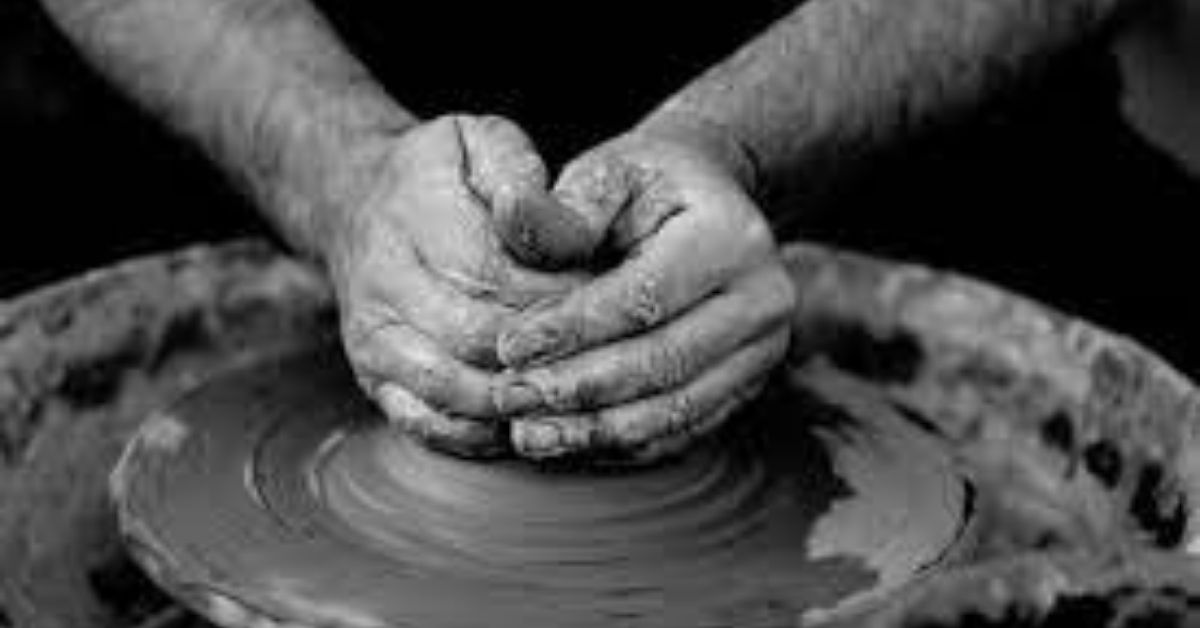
(430, 380)
(558, 393)
(596, 181)
(568, 392)
(642, 305)
(562, 334)
(667, 365)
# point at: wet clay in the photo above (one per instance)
(82, 363)
(1082, 452)
(277, 491)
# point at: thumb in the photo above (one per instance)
(506, 171)
(596, 187)
(542, 232)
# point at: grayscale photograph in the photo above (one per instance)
(438, 314)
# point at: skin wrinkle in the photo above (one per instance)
(660, 362)
(435, 381)
(490, 271)
(659, 203)
(672, 417)
(475, 341)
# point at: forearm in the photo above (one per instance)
(838, 80)
(263, 85)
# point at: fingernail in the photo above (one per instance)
(539, 439)
(517, 397)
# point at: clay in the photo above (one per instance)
(1081, 446)
(82, 363)
(279, 488)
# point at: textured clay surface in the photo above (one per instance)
(276, 489)
(81, 365)
(1078, 448)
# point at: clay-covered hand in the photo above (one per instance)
(424, 279)
(682, 330)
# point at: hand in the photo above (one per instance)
(424, 279)
(667, 344)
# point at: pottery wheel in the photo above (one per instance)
(276, 492)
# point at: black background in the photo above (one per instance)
(1045, 191)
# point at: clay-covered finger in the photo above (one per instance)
(542, 232)
(398, 353)
(671, 273)
(598, 187)
(505, 171)
(456, 435)
(390, 281)
(466, 324)
(662, 359)
(628, 428)
(502, 163)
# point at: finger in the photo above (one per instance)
(598, 187)
(677, 268)
(623, 200)
(456, 435)
(662, 359)
(502, 163)
(634, 426)
(683, 412)
(467, 324)
(541, 232)
(676, 443)
(396, 284)
(397, 353)
(506, 172)
(542, 439)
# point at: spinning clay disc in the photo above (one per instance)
(1081, 451)
(275, 493)
(933, 448)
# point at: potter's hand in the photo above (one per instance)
(665, 345)
(424, 280)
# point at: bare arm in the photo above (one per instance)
(263, 85)
(839, 79)
(681, 198)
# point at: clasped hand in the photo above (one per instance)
(473, 351)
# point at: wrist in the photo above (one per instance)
(340, 183)
(715, 142)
